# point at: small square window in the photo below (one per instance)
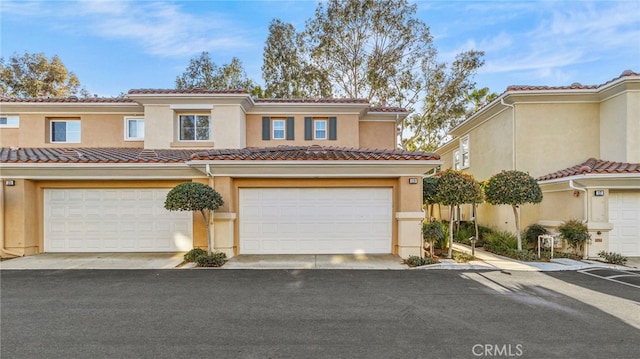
(10, 121)
(194, 128)
(278, 129)
(320, 129)
(65, 131)
(134, 129)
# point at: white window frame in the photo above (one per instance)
(127, 134)
(465, 152)
(456, 159)
(316, 129)
(9, 121)
(67, 122)
(283, 129)
(195, 132)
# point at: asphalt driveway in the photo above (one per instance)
(315, 314)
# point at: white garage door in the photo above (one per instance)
(315, 220)
(624, 214)
(113, 220)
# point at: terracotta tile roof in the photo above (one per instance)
(594, 167)
(574, 86)
(92, 155)
(315, 152)
(140, 155)
(310, 100)
(187, 91)
(387, 109)
(71, 99)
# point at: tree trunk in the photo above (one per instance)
(206, 222)
(515, 214)
(475, 223)
(450, 255)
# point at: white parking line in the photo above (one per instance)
(611, 278)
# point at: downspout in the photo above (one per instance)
(211, 213)
(513, 129)
(584, 209)
(2, 248)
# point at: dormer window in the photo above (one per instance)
(195, 127)
(278, 129)
(134, 128)
(320, 130)
(65, 131)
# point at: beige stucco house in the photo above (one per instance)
(296, 175)
(582, 144)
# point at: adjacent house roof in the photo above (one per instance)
(185, 91)
(139, 155)
(574, 86)
(315, 152)
(71, 99)
(594, 166)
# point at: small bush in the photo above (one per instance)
(415, 261)
(462, 257)
(193, 254)
(613, 258)
(216, 259)
(575, 233)
(500, 241)
(532, 232)
(524, 255)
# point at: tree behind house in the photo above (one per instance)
(35, 75)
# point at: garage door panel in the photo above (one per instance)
(624, 215)
(315, 220)
(113, 220)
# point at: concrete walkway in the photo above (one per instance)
(490, 261)
(316, 261)
(95, 261)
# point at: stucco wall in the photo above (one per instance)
(377, 135)
(97, 130)
(228, 129)
(554, 136)
(613, 128)
(490, 147)
(347, 131)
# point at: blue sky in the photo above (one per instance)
(114, 46)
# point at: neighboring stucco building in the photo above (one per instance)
(582, 143)
(296, 175)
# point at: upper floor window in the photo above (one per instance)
(134, 128)
(456, 160)
(464, 152)
(194, 128)
(323, 128)
(65, 131)
(10, 121)
(320, 130)
(278, 129)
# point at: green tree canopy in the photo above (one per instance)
(34, 75)
(205, 74)
(513, 188)
(285, 69)
(455, 188)
(194, 196)
(377, 50)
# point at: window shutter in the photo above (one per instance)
(308, 128)
(290, 128)
(333, 131)
(266, 128)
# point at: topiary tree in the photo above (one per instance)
(429, 193)
(514, 188)
(455, 188)
(432, 232)
(194, 196)
(575, 233)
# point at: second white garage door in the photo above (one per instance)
(624, 214)
(113, 220)
(315, 220)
